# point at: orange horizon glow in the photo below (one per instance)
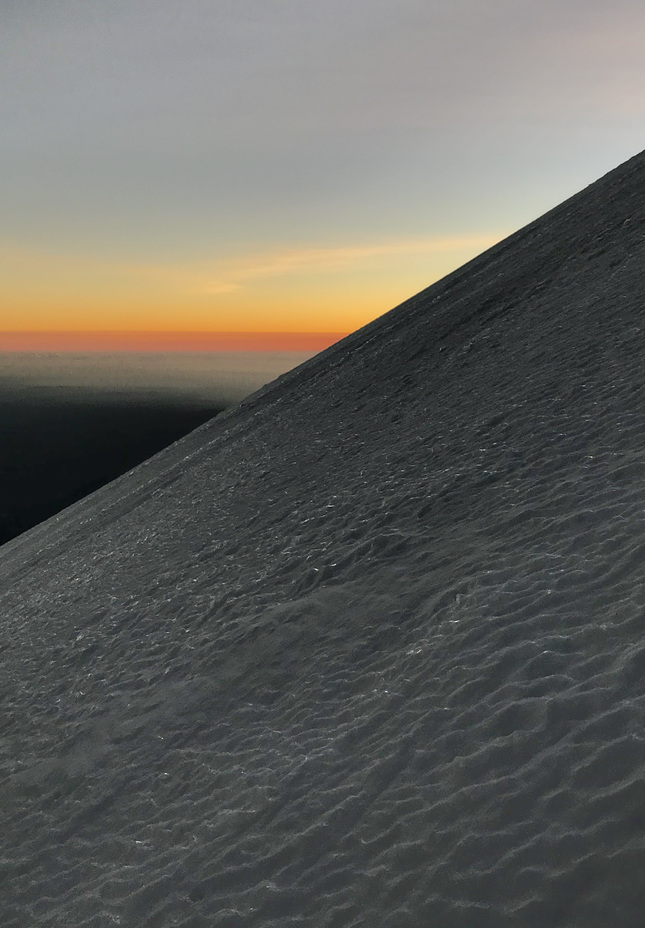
(167, 341)
(286, 298)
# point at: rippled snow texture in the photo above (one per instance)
(368, 650)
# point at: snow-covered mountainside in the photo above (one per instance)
(367, 650)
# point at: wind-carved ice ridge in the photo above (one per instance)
(367, 649)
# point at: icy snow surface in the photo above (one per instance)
(368, 649)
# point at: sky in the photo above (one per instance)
(288, 166)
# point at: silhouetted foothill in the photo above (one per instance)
(59, 445)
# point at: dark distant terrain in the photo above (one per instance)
(58, 444)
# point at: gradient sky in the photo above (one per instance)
(290, 165)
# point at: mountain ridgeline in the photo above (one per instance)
(367, 648)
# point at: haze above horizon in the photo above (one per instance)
(286, 171)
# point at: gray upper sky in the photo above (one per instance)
(175, 131)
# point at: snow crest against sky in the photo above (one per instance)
(367, 649)
(290, 165)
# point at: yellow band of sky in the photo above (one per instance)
(267, 296)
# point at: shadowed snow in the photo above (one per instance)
(366, 649)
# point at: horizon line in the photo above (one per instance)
(167, 340)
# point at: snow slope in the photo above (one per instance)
(367, 650)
